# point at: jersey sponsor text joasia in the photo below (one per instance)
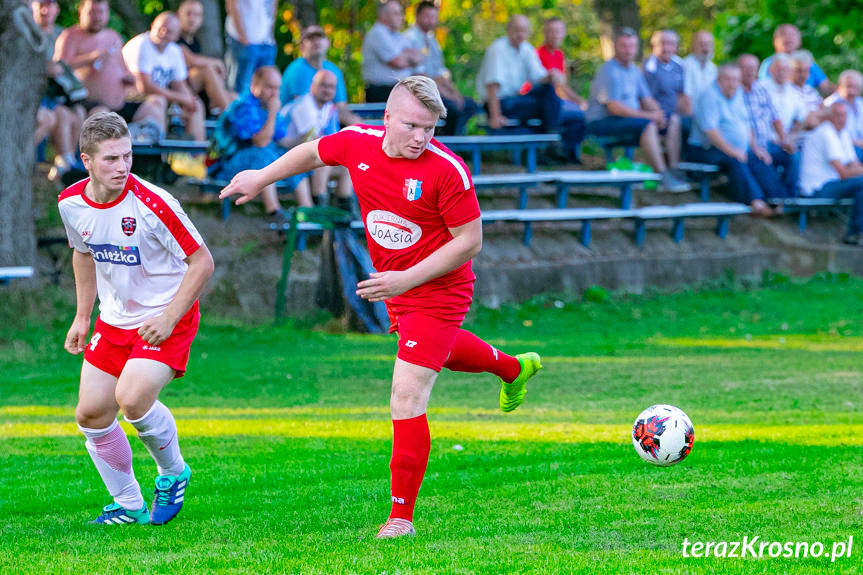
(138, 243)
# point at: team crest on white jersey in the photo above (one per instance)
(413, 189)
(129, 225)
(391, 230)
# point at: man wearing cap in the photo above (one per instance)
(297, 79)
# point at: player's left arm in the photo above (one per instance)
(157, 329)
(466, 242)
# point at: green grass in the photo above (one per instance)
(288, 436)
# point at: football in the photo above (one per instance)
(662, 435)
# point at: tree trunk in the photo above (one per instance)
(22, 79)
(307, 12)
(614, 15)
(212, 30)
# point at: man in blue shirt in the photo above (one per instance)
(721, 134)
(621, 106)
(786, 40)
(297, 79)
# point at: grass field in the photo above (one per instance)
(288, 436)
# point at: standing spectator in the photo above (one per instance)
(830, 168)
(310, 117)
(787, 40)
(62, 121)
(770, 143)
(157, 63)
(801, 65)
(297, 79)
(421, 37)
(250, 39)
(387, 55)
(95, 54)
(621, 107)
(508, 64)
(699, 71)
(251, 134)
(848, 92)
(663, 71)
(206, 75)
(721, 134)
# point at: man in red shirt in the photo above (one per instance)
(552, 57)
(423, 226)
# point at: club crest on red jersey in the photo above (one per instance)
(412, 190)
(129, 226)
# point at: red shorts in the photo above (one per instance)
(111, 347)
(424, 339)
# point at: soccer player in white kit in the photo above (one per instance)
(138, 251)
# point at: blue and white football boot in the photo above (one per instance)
(170, 492)
(115, 514)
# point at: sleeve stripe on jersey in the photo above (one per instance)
(461, 171)
(369, 131)
(167, 216)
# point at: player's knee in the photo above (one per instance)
(93, 416)
(132, 404)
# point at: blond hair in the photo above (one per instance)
(423, 89)
(100, 127)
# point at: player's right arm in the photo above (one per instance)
(85, 291)
(249, 183)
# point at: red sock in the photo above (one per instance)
(411, 446)
(471, 354)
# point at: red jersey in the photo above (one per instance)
(407, 207)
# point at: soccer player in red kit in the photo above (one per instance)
(423, 226)
(136, 250)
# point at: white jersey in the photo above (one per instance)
(142, 57)
(138, 243)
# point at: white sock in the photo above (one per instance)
(111, 453)
(158, 430)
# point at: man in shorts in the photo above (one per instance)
(423, 226)
(136, 250)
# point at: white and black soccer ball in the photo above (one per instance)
(662, 435)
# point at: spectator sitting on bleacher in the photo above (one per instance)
(297, 79)
(421, 37)
(830, 168)
(801, 64)
(251, 134)
(95, 54)
(770, 148)
(663, 71)
(387, 55)
(310, 117)
(699, 71)
(721, 134)
(793, 112)
(61, 120)
(508, 64)
(250, 40)
(622, 108)
(786, 40)
(553, 58)
(157, 63)
(848, 92)
(206, 74)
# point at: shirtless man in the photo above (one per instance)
(95, 54)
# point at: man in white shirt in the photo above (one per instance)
(801, 64)
(699, 71)
(387, 55)
(508, 64)
(159, 68)
(848, 91)
(310, 117)
(830, 168)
